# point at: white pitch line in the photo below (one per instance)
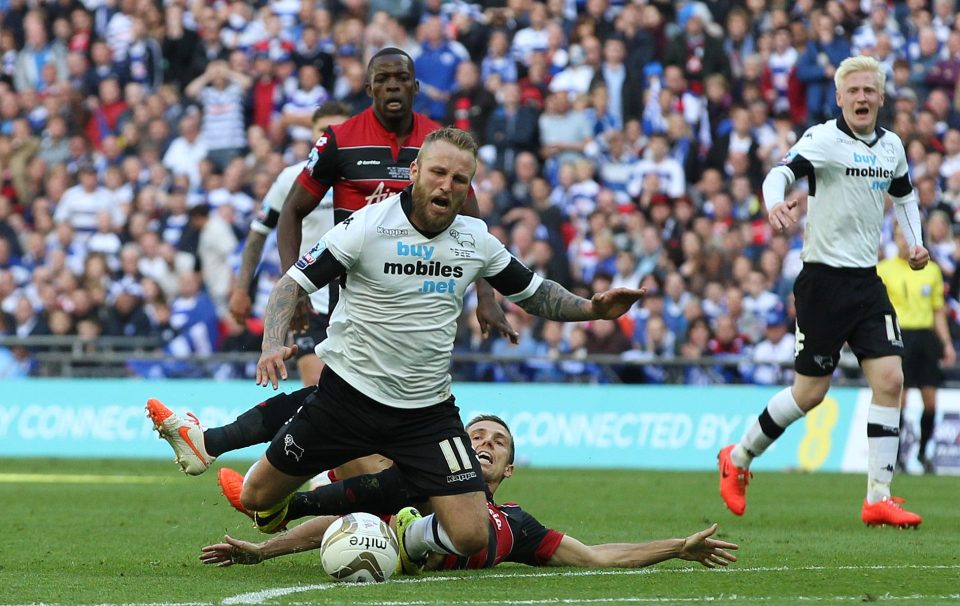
(263, 595)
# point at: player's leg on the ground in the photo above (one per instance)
(257, 425)
(785, 407)
(928, 394)
(459, 526)
(885, 377)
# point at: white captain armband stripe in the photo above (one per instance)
(527, 292)
(301, 278)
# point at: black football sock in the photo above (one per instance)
(256, 426)
(926, 431)
(380, 494)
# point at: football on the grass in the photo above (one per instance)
(359, 548)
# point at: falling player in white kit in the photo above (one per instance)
(404, 266)
(851, 165)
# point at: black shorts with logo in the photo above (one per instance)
(842, 305)
(921, 358)
(337, 424)
(316, 332)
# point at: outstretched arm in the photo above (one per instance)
(697, 547)
(554, 302)
(304, 537)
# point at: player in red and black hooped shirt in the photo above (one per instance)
(367, 159)
(516, 536)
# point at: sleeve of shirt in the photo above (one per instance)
(315, 269)
(800, 161)
(533, 543)
(321, 170)
(804, 156)
(334, 255)
(900, 186)
(269, 214)
(507, 274)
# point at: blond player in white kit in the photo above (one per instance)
(851, 166)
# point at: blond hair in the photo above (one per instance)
(460, 139)
(860, 64)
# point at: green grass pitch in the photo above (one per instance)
(134, 537)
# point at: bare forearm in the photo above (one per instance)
(298, 204)
(940, 326)
(554, 302)
(289, 237)
(252, 252)
(636, 555)
(276, 320)
(304, 537)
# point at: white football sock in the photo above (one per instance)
(781, 411)
(426, 535)
(883, 440)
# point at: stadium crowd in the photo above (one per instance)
(623, 143)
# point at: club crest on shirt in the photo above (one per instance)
(463, 239)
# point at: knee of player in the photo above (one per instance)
(253, 499)
(889, 383)
(472, 541)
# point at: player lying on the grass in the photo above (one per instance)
(516, 536)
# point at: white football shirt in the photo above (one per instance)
(848, 181)
(315, 224)
(392, 332)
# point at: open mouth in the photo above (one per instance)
(485, 457)
(394, 105)
(862, 111)
(440, 202)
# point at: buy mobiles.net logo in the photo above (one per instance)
(424, 266)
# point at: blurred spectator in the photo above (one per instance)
(108, 111)
(533, 37)
(220, 92)
(816, 67)
(470, 104)
(82, 203)
(36, 54)
(436, 68)
(698, 53)
(924, 56)
(498, 59)
(301, 99)
(126, 317)
(185, 152)
(564, 131)
(218, 242)
(512, 127)
(770, 354)
(670, 176)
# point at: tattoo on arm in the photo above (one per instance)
(554, 302)
(280, 307)
(252, 251)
